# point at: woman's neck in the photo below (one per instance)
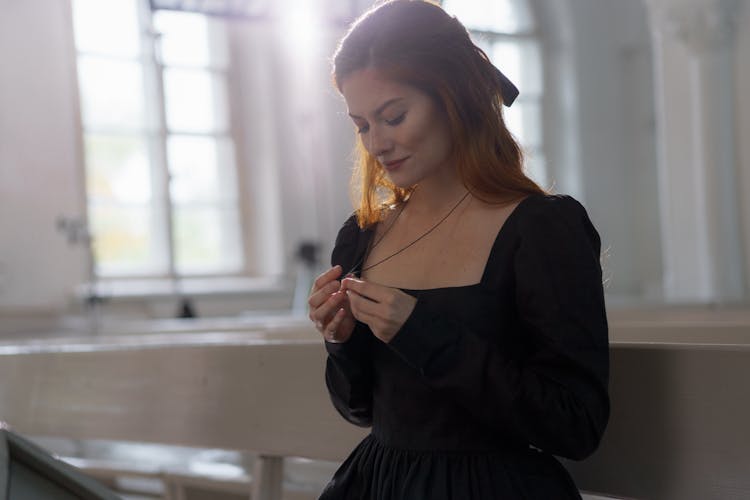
(431, 196)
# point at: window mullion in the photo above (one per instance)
(159, 138)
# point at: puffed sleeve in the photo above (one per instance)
(555, 396)
(349, 364)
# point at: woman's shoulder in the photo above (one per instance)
(547, 202)
(350, 227)
(554, 217)
(350, 242)
(348, 235)
(551, 206)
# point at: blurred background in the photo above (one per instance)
(152, 151)
(185, 164)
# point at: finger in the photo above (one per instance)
(361, 306)
(365, 317)
(333, 326)
(327, 276)
(365, 289)
(319, 297)
(331, 332)
(323, 314)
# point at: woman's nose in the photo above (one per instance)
(379, 142)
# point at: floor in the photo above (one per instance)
(206, 473)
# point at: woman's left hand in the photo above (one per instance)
(383, 309)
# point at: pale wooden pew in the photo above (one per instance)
(680, 406)
(255, 391)
(680, 402)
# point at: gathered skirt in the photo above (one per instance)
(374, 471)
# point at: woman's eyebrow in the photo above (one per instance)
(382, 107)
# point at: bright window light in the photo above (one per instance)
(118, 169)
(504, 29)
(160, 168)
(498, 16)
(112, 92)
(194, 101)
(301, 25)
(108, 27)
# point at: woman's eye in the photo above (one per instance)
(396, 120)
(363, 129)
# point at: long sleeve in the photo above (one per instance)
(555, 395)
(349, 365)
(349, 377)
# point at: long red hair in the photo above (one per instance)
(415, 42)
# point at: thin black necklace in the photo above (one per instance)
(408, 245)
(369, 249)
(403, 206)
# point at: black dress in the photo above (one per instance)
(484, 383)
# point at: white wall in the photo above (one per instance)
(741, 56)
(648, 111)
(696, 58)
(40, 174)
(615, 175)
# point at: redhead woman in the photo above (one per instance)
(464, 314)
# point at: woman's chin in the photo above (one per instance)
(399, 180)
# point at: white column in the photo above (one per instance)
(699, 210)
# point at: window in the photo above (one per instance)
(159, 158)
(506, 31)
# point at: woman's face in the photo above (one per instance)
(399, 125)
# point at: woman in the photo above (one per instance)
(464, 317)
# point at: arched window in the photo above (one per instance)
(507, 31)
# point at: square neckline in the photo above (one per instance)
(495, 243)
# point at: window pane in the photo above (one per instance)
(535, 165)
(111, 93)
(201, 169)
(500, 16)
(524, 121)
(117, 169)
(207, 239)
(107, 27)
(124, 239)
(521, 62)
(195, 101)
(189, 39)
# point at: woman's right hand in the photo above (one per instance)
(329, 307)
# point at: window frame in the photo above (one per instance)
(155, 134)
(484, 38)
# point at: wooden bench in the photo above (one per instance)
(215, 390)
(679, 407)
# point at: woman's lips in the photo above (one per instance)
(393, 165)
